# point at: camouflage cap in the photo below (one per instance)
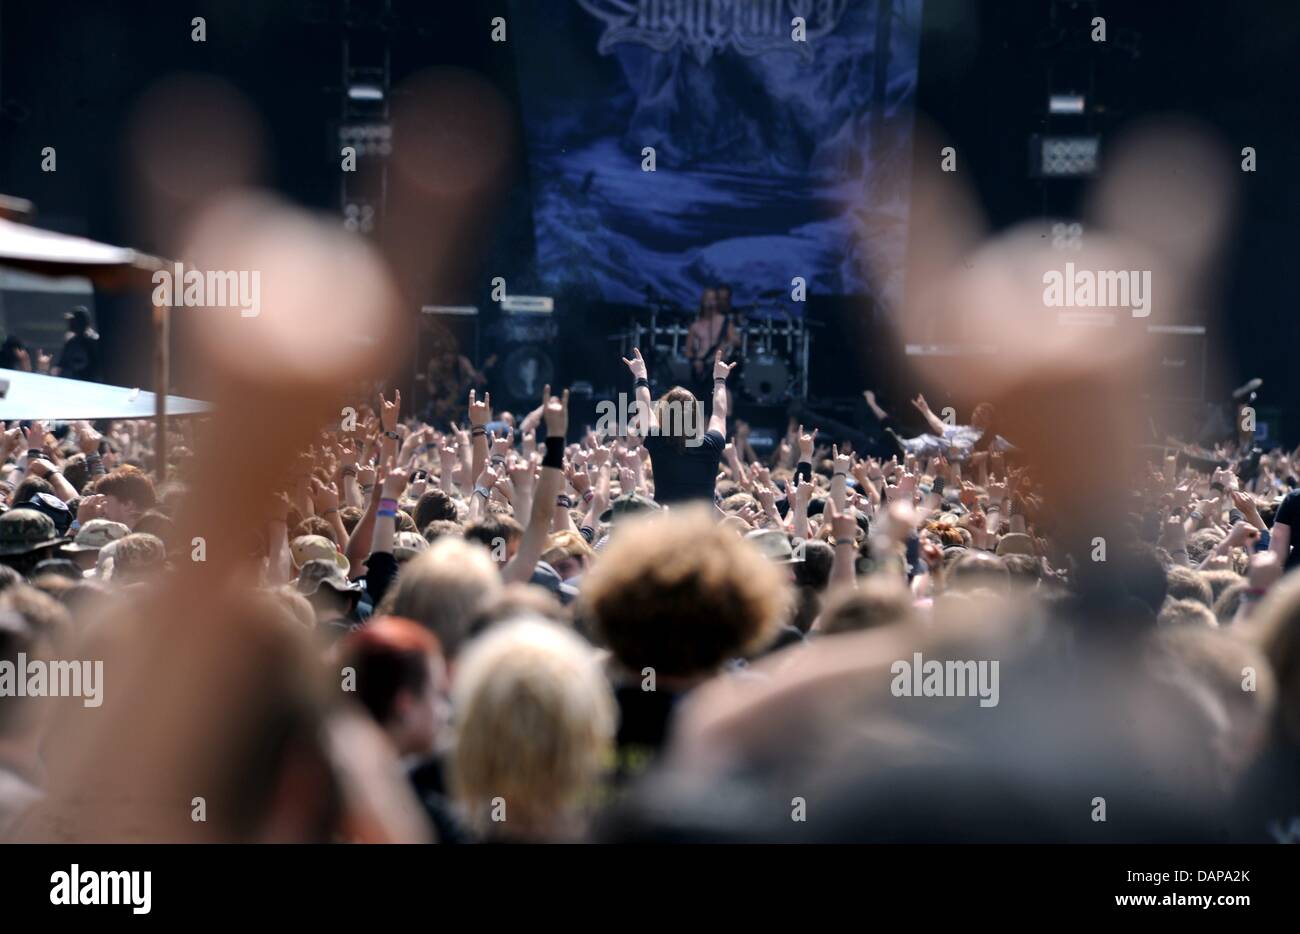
(24, 530)
(97, 533)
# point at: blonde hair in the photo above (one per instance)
(536, 722)
(443, 588)
(566, 544)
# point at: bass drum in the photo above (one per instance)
(766, 379)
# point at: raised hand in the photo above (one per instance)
(389, 412)
(843, 525)
(721, 370)
(806, 445)
(803, 491)
(555, 412)
(92, 507)
(324, 498)
(578, 479)
(501, 446)
(841, 462)
(480, 413)
(636, 364)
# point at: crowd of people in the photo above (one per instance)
(536, 632)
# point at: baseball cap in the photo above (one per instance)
(407, 545)
(306, 548)
(95, 534)
(53, 507)
(628, 504)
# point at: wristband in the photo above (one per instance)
(349, 471)
(498, 459)
(719, 379)
(392, 434)
(554, 456)
(387, 514)
(34, 455)
(387, 503)
(367, 487)
(588, 496)
(845, 541)
(482, 491)
(564, 501)
(639, 382)
(478, 430)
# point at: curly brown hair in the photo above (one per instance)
(679, 594)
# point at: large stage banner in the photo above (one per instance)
(678, 143)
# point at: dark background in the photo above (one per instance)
(71, 72)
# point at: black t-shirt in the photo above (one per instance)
(685, 473)
(1289, 514)
(80, 358)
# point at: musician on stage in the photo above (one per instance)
(712, 331)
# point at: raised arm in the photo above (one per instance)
(648, 422)
(480, 413)
(718, 418)
(936, 424)
(533, 543)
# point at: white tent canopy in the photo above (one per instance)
(29, 396)
(55, 254)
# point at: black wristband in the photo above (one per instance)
(639, 382)
(554, 456)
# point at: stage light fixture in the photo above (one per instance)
(1069, 104)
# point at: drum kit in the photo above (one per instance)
(773, 354)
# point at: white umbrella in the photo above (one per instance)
(25, 396)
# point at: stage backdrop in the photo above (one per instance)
(773, 158)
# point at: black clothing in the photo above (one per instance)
(685, 473)
(1289, 515)
(381, 571)
(643, 722)
(80, 358)
(430, 788)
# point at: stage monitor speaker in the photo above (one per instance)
(1178, 363)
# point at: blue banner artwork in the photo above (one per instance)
(677, 143)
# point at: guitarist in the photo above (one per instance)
(711, 332)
